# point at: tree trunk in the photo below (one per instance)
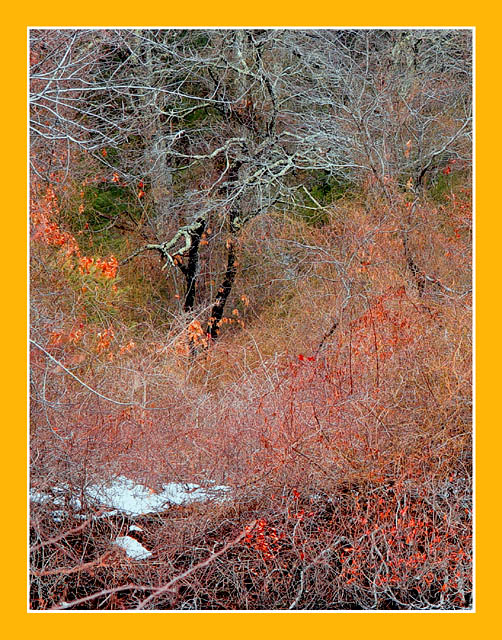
(192, 267)
(414, 269)
(223, 291)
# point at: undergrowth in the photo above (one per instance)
(336, 405)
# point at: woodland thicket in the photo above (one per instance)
(250, 266)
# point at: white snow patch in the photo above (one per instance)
(135, 499)
(132, 548)
(60, 497)
(133, 527)
(122, 495)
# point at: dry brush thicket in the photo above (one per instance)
(304, 339)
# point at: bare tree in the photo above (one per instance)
(223, 125)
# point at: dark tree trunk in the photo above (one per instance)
(231, 268)
(192, 266)
(223, 292)
(416, 272)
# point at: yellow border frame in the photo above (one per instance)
(260, 13)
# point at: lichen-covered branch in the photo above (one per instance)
(166, 249)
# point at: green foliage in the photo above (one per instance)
(329, 189)
(105, 202)
(442, 185)
(324, 189)
(194, 116)
(99, 218)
